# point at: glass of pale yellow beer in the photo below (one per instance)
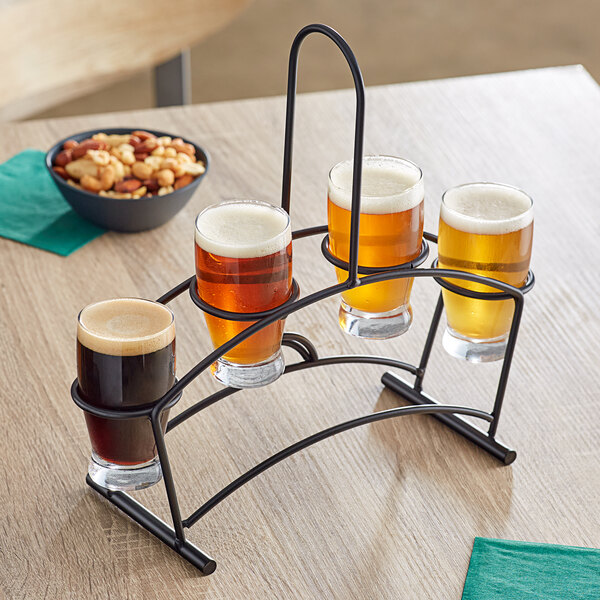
(244, 264)
(486, 229)
(391, 231)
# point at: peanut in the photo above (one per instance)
(90, 183)
(158, 151)
(78, 168)
(141, 170)
(183, 181)
(100, 137)
(166, 177)
(170, 153)
(70, 144)
(119, 195)
(165, 140)
(73, 183)
(128, 158)
(184, 158)
(154, 162)
(64, 158)
(169, 163)
(107, 177)
(128, 185)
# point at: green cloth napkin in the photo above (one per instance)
(33, 211)
(507, 570)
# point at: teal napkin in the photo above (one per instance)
(33, 211)
(507, 570)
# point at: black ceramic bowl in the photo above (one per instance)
(136, 214)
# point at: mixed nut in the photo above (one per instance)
(128, 165)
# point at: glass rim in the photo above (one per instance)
(486, 184)
(139, 338)
(404, 161)
(244, 201)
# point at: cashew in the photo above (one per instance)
(184, 157)
(194, 168)
(126, 148)
(163, 191)
(100, 157)
(140, 192)
(90, 183)
(80, 167)
(107, 177)
(116, 139)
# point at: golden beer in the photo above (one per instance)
(486, 229)
(244, 264)
(391, 230)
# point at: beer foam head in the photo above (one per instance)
(486, 208)
(388, 185)
(125, 326)
(243, 229)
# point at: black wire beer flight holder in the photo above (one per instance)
(421, 403)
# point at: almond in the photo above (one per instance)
(183, 181)
(64, 158)
(127, 186)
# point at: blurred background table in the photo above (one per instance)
(384, 511)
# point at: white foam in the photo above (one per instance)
(125, 326)
(486, 208)
(243, 229)
(388, 185)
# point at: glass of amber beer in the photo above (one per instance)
(486, 229)
(125, 359)
(391, 230)
(244, 264)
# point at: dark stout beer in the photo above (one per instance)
(125, 359)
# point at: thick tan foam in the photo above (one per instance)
(486, 208)
(388, 185)
(243, 229)
(125, 327)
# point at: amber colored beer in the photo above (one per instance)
(486, 229)
(244, 264)
(391, 227)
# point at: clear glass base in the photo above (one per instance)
(375, 326)
(124, 478)
(249, 376)
(475, 351)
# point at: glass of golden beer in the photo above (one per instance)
(391, 230)
(244, 264)
(486, 229)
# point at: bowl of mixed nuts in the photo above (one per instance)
(126, 179)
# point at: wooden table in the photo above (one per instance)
(384, 511)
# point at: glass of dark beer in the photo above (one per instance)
(244, 264)
(125, 359)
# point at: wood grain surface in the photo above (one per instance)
(112, 40)
(384, 511)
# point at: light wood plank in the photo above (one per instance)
(386, 511)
